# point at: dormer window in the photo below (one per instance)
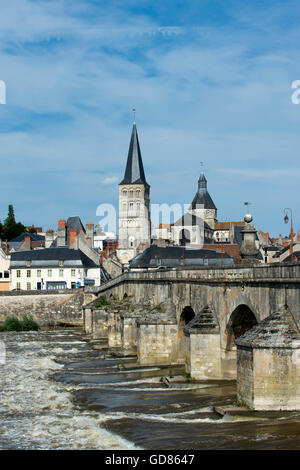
(28, 262)
(61, 262)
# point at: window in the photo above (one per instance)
(39, 273)
(73, 272)
(18, 286)
(6, 274)
(28, 285)
(131, 205)
(124, 192)
(138, 193)
(28, 262)
(28, 273)
(18, 272)
(131, 193)
(61, 262)
(61, 273)
(49, 272)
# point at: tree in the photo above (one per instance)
(10, 219)
(11, 228)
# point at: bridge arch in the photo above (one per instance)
(242, 319)
(186, 316)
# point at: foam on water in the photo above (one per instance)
(38, 413)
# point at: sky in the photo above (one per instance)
(211, 82)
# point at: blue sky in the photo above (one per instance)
(211, 81)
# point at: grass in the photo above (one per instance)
(188, 378)
(101, 302)
(12, 323)
(240, 404)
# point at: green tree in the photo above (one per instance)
(11, 228)
(10, 219)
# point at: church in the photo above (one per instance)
(197, 227)
(134, 205)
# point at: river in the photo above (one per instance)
(57, 392)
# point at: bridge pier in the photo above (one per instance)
(268, 366)
(156, 342)
(203, 352)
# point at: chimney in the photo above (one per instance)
(89, 234)
(49, 238)
(61, 233)
(267, 237)
(73, 239)
(26, 244)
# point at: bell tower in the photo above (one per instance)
(134, 205)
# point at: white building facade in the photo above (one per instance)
(52, 268)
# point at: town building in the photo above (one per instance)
(53, 268)
(155, 257)
(4, 267)
(27, 241)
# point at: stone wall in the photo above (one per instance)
(47, 308)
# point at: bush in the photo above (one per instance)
(28, 323)
(12, 324)
(2, 328)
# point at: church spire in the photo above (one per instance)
(134, 173)
(202, 196)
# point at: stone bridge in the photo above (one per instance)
(192, 315)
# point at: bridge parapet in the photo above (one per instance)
(279, 273)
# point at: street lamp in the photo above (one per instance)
(286, 219)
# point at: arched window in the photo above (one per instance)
(131, 241)
(124, 192)
(138, 193)
(131, 193)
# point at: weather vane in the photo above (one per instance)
(134, 111)
(201, 164)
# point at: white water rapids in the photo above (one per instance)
(38, 413)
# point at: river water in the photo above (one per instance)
(59, 393)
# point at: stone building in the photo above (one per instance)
(73, 234)
(196, 226)
(134, 204)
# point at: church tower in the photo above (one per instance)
(203, 205)
(134, 205)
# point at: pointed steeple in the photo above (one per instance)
(134, 173)
(202, 182)
(202, 196)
